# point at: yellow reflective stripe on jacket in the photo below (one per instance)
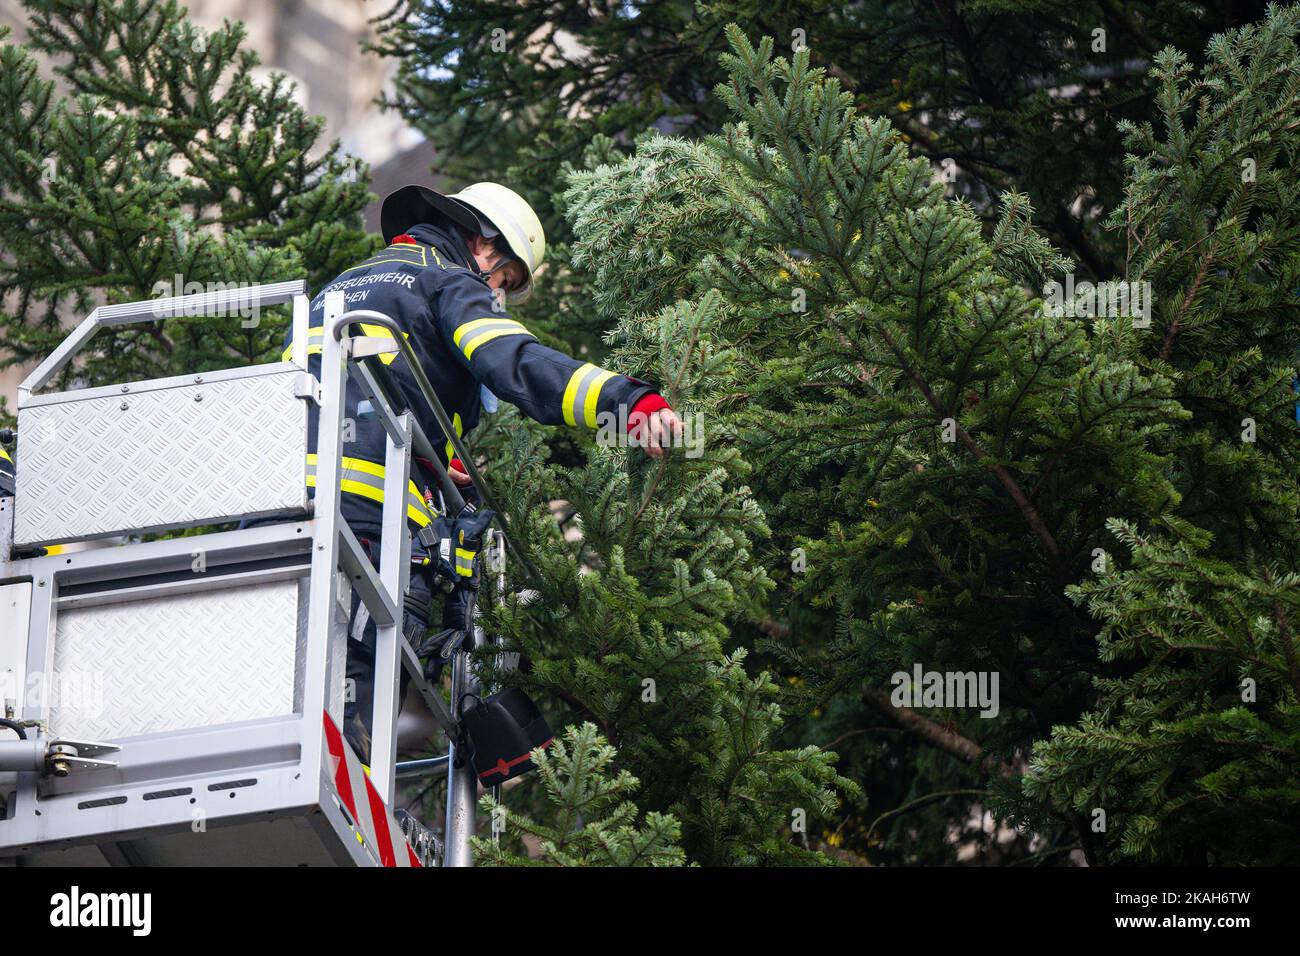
(366, 479)
(582, 393)
(471, 335)
(465, 562)
(4, 454)
(316, 335)
(381, 332)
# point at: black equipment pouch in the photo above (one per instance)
(503, 729)
(452, 546)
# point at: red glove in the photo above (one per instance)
(645, 406)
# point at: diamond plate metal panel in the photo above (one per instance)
(166, 457)
(176, 662)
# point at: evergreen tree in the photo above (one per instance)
(943, 455)
(1191, 748)
(907, 455)
(869, 310)
(595, 825)
(168, 158)
(1018, 106)
(641, 583)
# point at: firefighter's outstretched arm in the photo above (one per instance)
(547, 385)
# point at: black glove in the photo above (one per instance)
(437, 650)
(457, 633)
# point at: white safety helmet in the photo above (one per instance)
(488, 209)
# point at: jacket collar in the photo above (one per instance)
(448, 243)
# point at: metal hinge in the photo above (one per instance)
(307, 387)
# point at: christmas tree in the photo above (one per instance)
(1025, 113)
(926, 452)
(1189, 755)
(970, 472)
(595, 824)
(913, 420)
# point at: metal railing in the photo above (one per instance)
(153, 310)
(335, 549)
(371, 376)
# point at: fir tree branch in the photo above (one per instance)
(918, 804)
(1172, 332)
(1288, 645)
(949, 741)
(1012, 487)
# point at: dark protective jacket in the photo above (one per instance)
(6, 474)
(464, 339)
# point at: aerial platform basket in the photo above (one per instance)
(182, 697)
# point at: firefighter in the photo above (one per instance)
(450, 265)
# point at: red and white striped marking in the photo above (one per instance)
(379, 831)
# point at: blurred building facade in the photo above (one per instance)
(318, 43)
